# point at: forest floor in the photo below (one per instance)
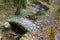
(6, 12)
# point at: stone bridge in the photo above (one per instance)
(27, 24)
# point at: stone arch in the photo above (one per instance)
(18, 28)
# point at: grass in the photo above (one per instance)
(58, 11)
(2, 7)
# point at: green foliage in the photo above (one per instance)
(24, 36)
(1, 30)
(2, 7)
(25, 3)
(46, 0)
(1, 1)
(58, 11)
(21, 39)
(16, 2)
(57, 14)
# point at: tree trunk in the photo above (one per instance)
(18, 11)
(22, 3)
